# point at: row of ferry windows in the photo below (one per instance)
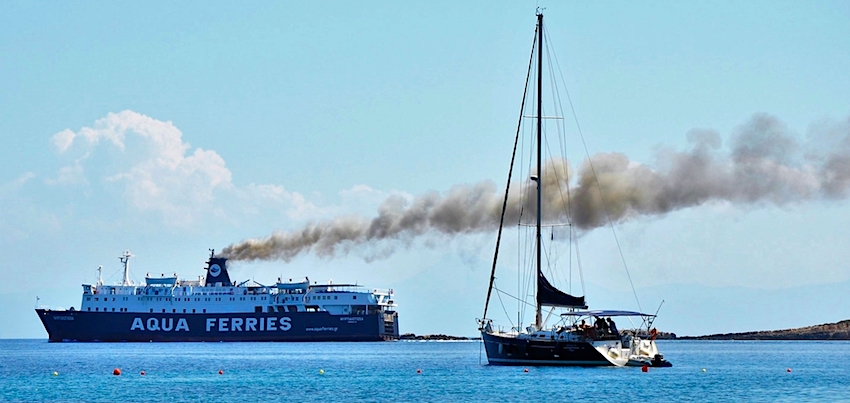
(315, 298)
(318, 297)
(105, 299)
(125, 310)
(269, 309)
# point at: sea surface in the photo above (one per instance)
(755, 371)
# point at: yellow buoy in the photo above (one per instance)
(703, 370)
(55, 373)
(321, 372)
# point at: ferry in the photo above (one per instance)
(214, 308)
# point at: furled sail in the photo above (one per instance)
(548, 295)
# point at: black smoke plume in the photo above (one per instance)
(766, 165)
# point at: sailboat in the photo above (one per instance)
(578, 336)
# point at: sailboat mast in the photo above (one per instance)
(538, 320)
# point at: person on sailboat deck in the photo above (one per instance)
(613, 327)
(601, 326)
(587, 330)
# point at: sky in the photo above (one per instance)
(169, 129)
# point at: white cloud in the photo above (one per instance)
(297, 206)
(159, 172)
(161, 176)
(63, 140)
(69, 175)
(16, 184)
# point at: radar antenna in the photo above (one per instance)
(125, 258)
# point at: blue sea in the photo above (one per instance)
(755, 371)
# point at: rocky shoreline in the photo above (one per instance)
(827, 331)
(440, 337)
(445, 337)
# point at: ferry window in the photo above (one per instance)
(97, 309)
(354, 297)
(184, 311)
(89, 309)
(335, 297)
(151, 310)
(113, 298)
(258, 309)
(88, 298)
(95, 298)
(205, 311)
(173, 311)
(193, 311)
(113, 309)
(163, 311)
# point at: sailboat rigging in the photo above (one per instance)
(570, 341)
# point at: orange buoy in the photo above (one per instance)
(221, 372)
(418, 371)
(142, 373)
(116, 371)
(788, 370)
(525, 370)
(644, 368)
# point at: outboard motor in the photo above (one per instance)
(658, 361)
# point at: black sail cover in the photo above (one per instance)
(548, 295)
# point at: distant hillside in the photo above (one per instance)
(827, 331)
